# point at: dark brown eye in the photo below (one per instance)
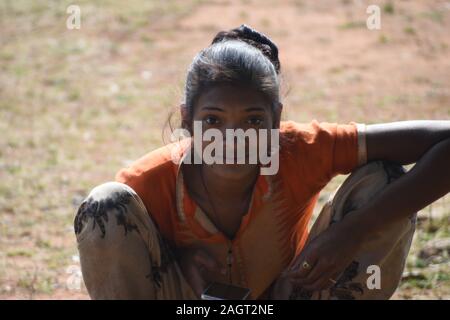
(255, 121)
(211, 120)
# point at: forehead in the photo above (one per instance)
(228, 95)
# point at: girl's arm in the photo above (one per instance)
(405, 142)
(426, 182)
(424, 142)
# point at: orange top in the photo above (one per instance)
(275, 228)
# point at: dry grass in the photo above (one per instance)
(77, 105)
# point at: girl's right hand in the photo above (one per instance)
(195, 265)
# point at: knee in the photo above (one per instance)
(367, 181)
(105, 200)
(111, 190)
(379, 172)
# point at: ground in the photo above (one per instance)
(77, 105)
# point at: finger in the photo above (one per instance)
(302, 272)
(303, 266)
(316, 272)
(305, 254)
(320, 284)
(331, 276)
(327, 281)
(334, 278)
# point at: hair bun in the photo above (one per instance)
(254, 38)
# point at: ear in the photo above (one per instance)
(277, 115)
(185, 118)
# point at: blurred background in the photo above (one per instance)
(76, 105)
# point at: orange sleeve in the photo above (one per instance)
(343, 147)
(152, 178)
(130, 178)
(318, 151)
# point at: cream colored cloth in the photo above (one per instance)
(387, 250)
(123, 255)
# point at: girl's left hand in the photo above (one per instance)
(326, 257)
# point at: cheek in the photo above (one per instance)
(265, 139)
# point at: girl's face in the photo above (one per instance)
(228, 106)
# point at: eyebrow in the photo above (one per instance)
(213, 108)
(255, 109)
(249, 109)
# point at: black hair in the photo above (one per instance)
(241, 56)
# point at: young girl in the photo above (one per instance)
(168, 227)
